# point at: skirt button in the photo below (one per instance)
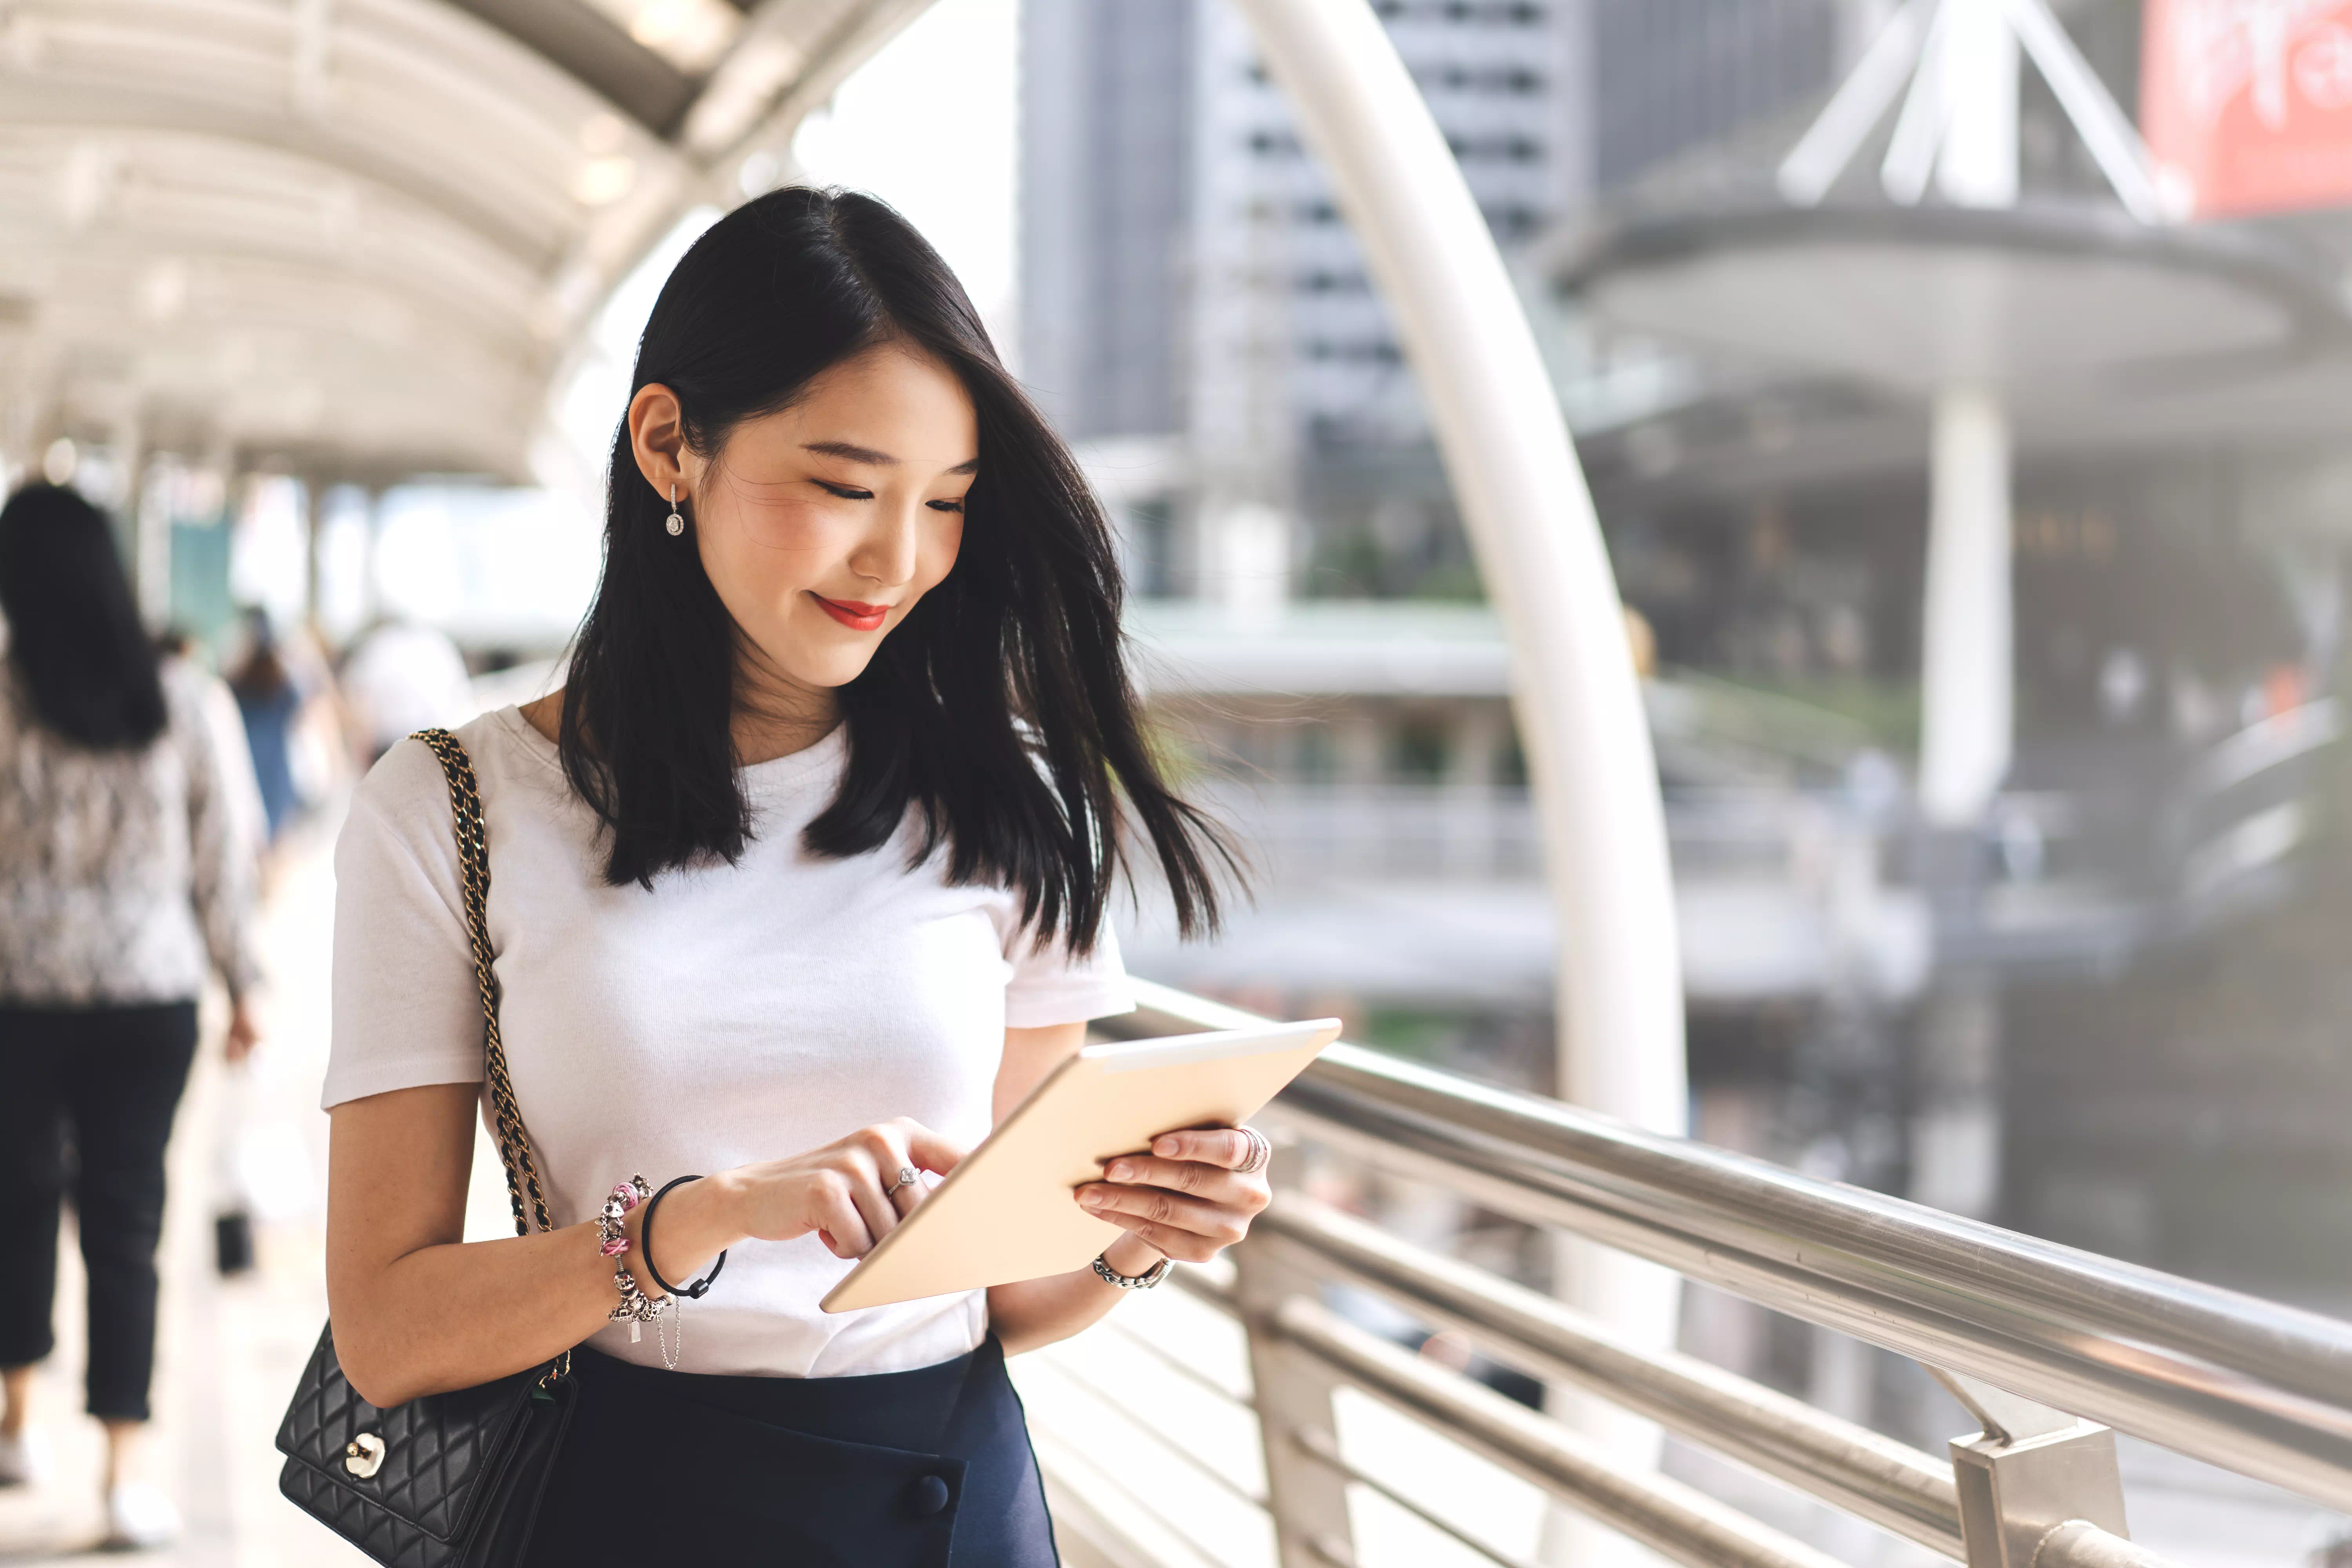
(926, 1495)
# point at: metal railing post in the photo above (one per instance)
(1307, 1496)
(2029, 1474)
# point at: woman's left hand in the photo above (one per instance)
(1185, 1198)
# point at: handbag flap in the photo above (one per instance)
(440, 1454)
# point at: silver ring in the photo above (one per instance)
(906, 1178)
(1260, 1152)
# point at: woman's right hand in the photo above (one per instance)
(840, 1191)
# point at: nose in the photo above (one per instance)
(885, 555)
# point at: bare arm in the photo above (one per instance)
(417, 1310)
(1182, 1200)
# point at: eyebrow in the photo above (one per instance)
(850, 451)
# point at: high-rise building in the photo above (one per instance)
(1106, 172)
(1194, 307)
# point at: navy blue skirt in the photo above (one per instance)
(927, 1469)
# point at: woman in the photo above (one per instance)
(126, 870)
(797, 885)
(269, 703)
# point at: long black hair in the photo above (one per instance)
(1000, 709)
(73, 627)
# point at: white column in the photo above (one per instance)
(151, 562)
(1540, 555)
(1539, 551)
(1966, 659)
(1966, 675)
(314, 515)
(1245, 557)
(126, 442)
(1978, 164)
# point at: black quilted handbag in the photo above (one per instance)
(449, 1480)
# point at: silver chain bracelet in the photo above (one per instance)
(1143, 1281)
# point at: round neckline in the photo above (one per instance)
(819, 756)
(775, 774)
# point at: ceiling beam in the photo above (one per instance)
(30, 102)
(527, 79)
(596, 52)
(458, 282)
(755, 106)
(744, 108)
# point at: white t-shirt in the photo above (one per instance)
(733, 1014)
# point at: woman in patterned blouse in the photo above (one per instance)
(126, 875)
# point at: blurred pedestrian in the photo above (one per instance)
(229, 741)
(232, 1212)
(269, 701)
(126, 875)
(402, 679)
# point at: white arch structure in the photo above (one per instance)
(1538, 540)
(1531, 522)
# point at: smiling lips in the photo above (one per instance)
(858, 617)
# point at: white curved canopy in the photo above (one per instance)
(358, 236)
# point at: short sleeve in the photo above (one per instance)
(407, 1012)
(1050, 985)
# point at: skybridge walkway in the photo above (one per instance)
(353, 242)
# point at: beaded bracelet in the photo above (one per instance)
(625, 1196)
(613, 1241)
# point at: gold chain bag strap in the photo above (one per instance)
(447, 1480)
(474, 873)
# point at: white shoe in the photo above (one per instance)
(140, 1517)
(24, 1458)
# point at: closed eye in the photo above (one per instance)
(949, 503)
(846, 492)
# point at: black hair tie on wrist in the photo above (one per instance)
(694, 1292)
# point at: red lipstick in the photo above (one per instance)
(856, 616)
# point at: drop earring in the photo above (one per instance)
(675, 523)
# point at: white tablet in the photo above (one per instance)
(1006, 1212)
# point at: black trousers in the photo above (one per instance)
(927, 1469)
(92, 1090)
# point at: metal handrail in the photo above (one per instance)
(1671, 1519)
(1849, 1466)
(2237, 1382)
(1872, 1476)
(2242, 1383)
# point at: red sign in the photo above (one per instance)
(2247, 104)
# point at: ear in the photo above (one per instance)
(657, 437)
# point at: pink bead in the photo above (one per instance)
(626, 1194)
(614, 1248)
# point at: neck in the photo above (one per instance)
(775, 717)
